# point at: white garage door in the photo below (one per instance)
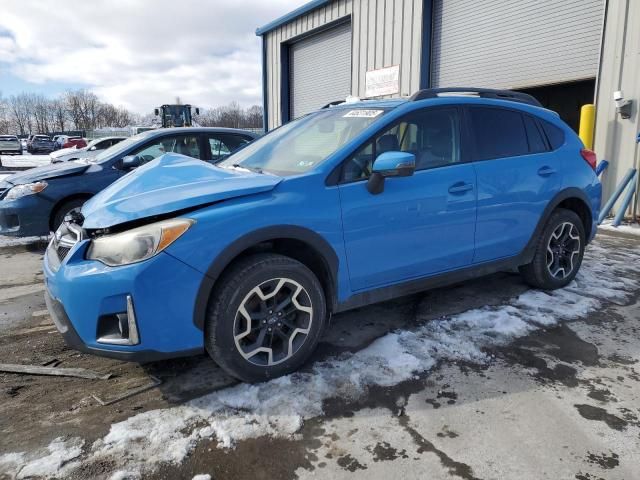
(518, 43)
(320, 70)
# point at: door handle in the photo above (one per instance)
(460, 187)
(546, 171)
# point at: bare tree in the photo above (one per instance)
(20, 114)
(60, 114)
(232, 116)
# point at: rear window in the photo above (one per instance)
(554, 134)
(498, 133)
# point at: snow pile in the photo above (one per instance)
(6, 241)
(56, 455)
(632, 228)
(25, 161)
(279, 407)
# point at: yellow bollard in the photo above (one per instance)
(587, 124)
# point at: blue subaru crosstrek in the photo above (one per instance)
(353, 204)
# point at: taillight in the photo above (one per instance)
(589, 157)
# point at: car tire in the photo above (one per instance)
(65, 209)
(264, 317)
(558, 253)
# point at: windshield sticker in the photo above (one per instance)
(361, 113)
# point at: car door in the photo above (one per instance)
(419, 225)
(517, 175)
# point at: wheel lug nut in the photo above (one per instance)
(279, 314)
(270, 312)
(269, 329)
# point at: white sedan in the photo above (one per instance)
(91, 150)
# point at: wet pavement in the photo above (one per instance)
(555, 397)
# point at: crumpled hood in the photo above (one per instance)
(46, 172)
(168, 184)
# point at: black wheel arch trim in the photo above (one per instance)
(566, 194)
(252, 239)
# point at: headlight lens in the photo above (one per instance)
(23, 190)
(137, 244)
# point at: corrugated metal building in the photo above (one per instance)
(615, 136)
(328, 49)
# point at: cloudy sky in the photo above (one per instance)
(137, 53)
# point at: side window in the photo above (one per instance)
(224, 144)
(219, 149)
(536, 142)
(186, 145)
(554, 134)
(498, 133)
(432, 135)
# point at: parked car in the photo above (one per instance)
(350, 205)
(35, 202)
(77, 142)
(94, 148)
(40, 144)
(9, 144)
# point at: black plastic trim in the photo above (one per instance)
(509, 95)
(407, 288)
(278, 232)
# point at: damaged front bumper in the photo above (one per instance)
(140, 312)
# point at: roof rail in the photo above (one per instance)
(480, 92)
(333, 104)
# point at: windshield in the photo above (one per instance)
(302, 144)
(118, 148)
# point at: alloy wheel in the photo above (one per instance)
(562, 250)
(273, 321)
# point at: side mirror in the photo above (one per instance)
(156, 112)
(129, 162)
(390, 164)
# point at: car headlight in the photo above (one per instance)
(137, 244)
(23, 190)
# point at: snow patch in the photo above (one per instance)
(279, 407)
(44, 464)
(632, 228)
(25, 161)
(205, 476)
(15, 241)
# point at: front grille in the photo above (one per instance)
(62, 252)
(65, 238)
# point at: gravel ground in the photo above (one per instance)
(556, 396)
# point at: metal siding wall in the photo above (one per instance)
(320, 70)
(384, 33)
(519, 43)
(620, 70)
(389, 32)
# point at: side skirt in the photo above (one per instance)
(414, 286)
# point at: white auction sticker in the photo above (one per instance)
(361, 113)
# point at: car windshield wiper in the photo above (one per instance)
(251, 169)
